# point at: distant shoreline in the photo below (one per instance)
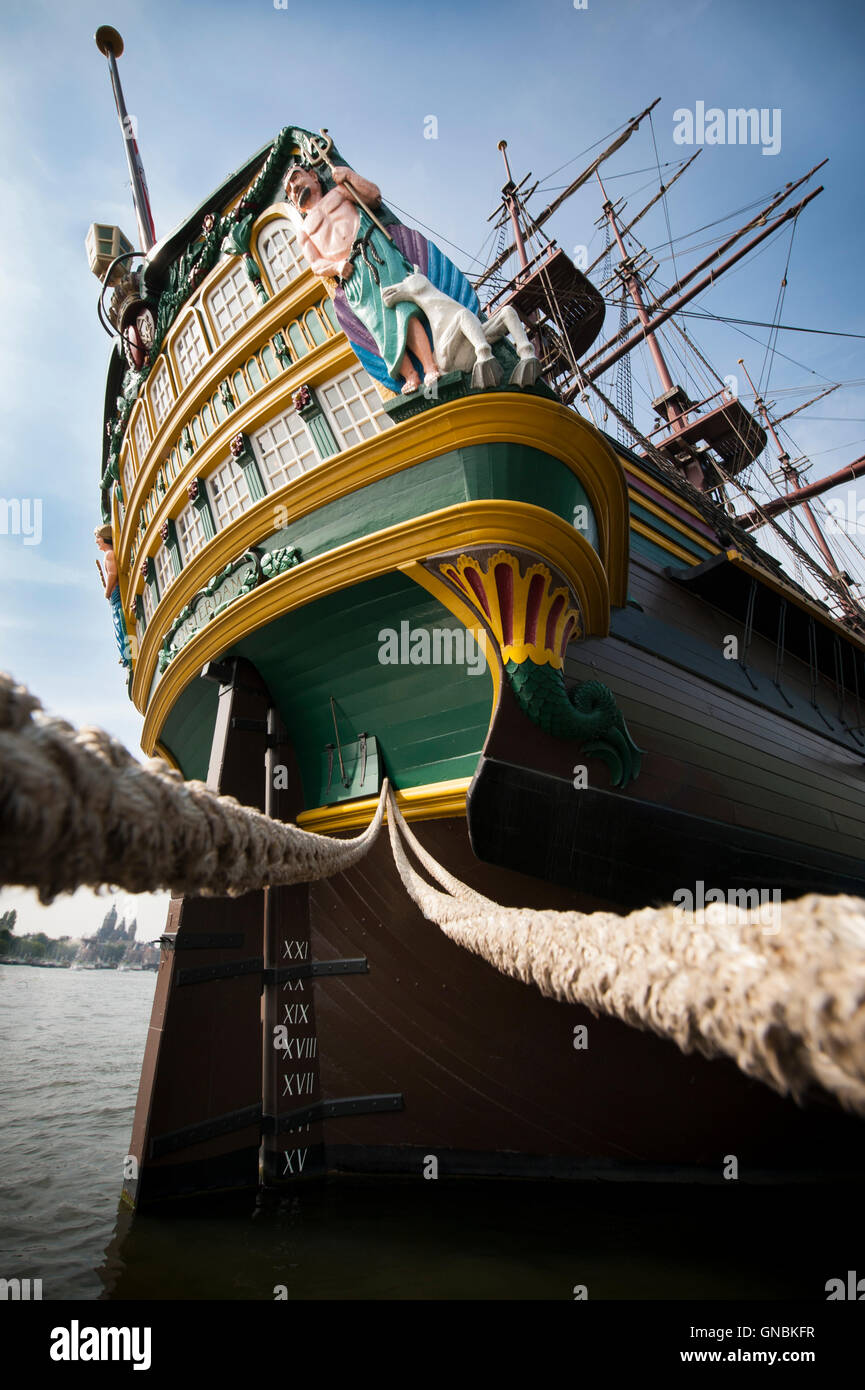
(70, 965)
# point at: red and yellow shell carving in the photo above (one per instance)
(530, 618)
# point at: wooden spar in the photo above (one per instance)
(785, 503)
(110, 44)
(840, 581)
(509, 192)
(632, 283)
(790, 413)
(572, 188)
(665, 188)
(606, 362)
(755, 221)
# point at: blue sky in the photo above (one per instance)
(211, 82)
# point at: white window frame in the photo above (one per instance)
(354, 387)
(128, 471)
(284, 263)
(237, 307)
(276, 469)
(190, 532)
(141, 432)
(161, 393)
(229, 493)
(165, 575)
(190, 349)
(147, 602)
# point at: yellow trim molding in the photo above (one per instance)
(696, 536)
(652, 482)
(320, 364)
(271, 317)
(467, 616)
(160, 751)
(657, 539)
(436, 801)
(517, 524)
(502, 417)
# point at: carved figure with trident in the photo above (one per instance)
(342, 237)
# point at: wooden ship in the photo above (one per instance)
(329, 571)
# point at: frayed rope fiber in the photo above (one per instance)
(789, 1009)
(76, 809)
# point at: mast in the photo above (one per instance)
(758, 220)
(594, 368)
(848, 474)
(707, 448)
(578, 182)
(509, 192)
(840, 581)
(109, 43)
(631, 280)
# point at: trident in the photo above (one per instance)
(316, 149)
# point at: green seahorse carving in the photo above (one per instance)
(588, 713)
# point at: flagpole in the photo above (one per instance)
(109, 43)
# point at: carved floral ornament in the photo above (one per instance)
(531, 615)
(534, 617)
(239, 578)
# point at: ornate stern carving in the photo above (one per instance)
(534, 615)
(238, 578)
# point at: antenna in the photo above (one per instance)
(109, 43)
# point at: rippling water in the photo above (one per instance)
(71, 1044)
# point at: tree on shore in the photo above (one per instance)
(7, 927)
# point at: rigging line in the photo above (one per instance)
(809, 386)
(697, 353)
(802, 534)
(439, 235)
(742, 489)
(587, 150)
(634, 323)
(709, 241)
(628, 173)
(486, 241)
(853, 443)
(823, 578)
(769, 357)
(754, 255)
(633, 192)
(728, 216)
(664, 199)
(698, 372)
(796, 363)
(837, 528)
(783, 327)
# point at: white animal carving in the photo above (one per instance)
(460, 341)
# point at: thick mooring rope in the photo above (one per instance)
(789, 1009)
(77, 809)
